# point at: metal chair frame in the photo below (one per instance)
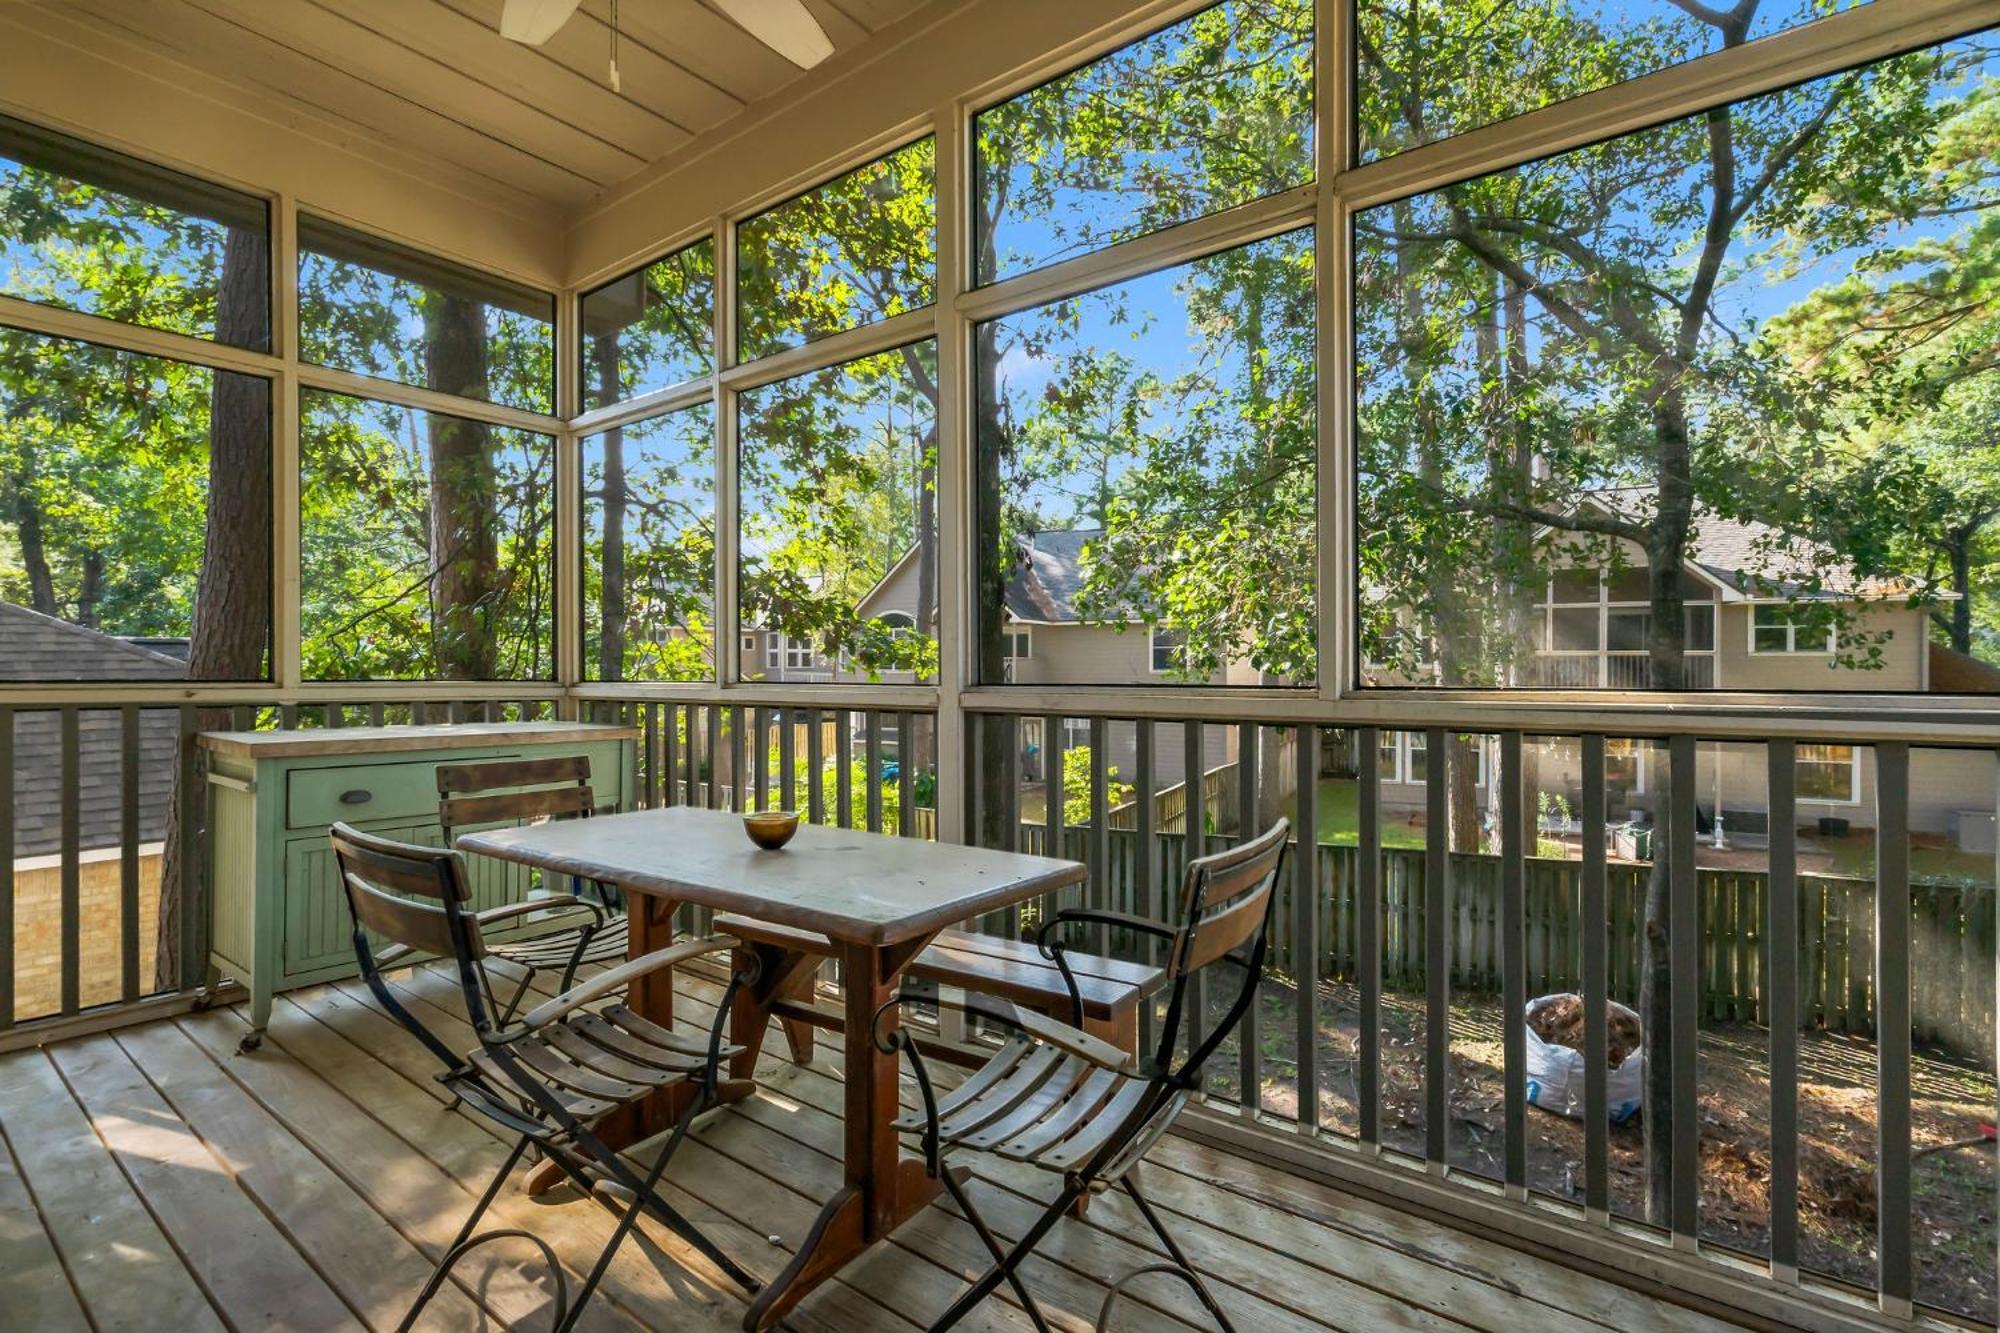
(559, 788)
(505, 1092)
(1168, 1081)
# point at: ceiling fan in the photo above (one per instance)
(786, 26)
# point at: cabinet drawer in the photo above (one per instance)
(362, 792)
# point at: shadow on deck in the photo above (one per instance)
(154, 1178)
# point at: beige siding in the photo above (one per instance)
(1941, 782)
(1902, 651)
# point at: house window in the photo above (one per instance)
(1404, 757)
(1698, 625)
(1777, 629)
(1627, 630)
(105, 456)
(1020, 645)
(798, 652)
(809, 553)
(1501, 63)
(357, 541)
(1570, 262)
(92, 230)
(1830, 773)
(1050, 189)
(749, 645)
(1236, 394)
(1169, 650)
(1076, 733)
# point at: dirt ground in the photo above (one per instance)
(1953, 1223)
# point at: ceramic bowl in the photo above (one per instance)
(771, 829)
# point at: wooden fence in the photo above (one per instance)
(1218, 796)
(1952, 932)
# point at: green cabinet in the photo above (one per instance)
(278, 915)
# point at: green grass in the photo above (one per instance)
(1855, 855)
(1339, 815)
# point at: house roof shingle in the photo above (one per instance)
(35, 647)
(1750, 558)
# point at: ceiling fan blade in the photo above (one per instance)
(534, 21)
(786, 26)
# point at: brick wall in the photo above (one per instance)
(37, 957)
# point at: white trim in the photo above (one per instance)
(1791, 637)
(1853, 796)
(860, 607)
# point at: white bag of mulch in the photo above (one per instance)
(1555, 1073)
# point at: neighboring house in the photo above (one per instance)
(1590, 626)
(38, 648)
(1049, 642)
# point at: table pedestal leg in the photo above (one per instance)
(882, 1188)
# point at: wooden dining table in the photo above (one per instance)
(877, 901)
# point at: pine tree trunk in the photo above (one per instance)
(1667, 540)
(465, 561)
(231, 635)
(923, 730)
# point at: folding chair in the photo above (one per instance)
(549, 1077)
(490, 793)
(1072, 1104)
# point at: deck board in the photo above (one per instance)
(250, 1270)
(94, 1217)
(322, 1174)
(34, 1286)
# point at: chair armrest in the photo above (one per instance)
(1124, 920)
(617, 978)
(527, 906)
(1055, 950)
(1040, 1027)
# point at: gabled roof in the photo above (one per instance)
(1746, 560)
(39, 647)
(1049, 577)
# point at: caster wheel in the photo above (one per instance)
(251, 1041)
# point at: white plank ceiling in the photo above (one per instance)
(434, 78)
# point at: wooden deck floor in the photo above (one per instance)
(155, 1179)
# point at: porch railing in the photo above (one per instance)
(1420, 953)
(1588, 669)
(80, 904)
(1438, 949)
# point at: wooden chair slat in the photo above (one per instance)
(430, 871)
(547, 803)
(469, 779)
(1223, 932)
(413, 924)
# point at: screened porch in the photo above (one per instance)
(1545, 455)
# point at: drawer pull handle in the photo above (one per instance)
(357, 796)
